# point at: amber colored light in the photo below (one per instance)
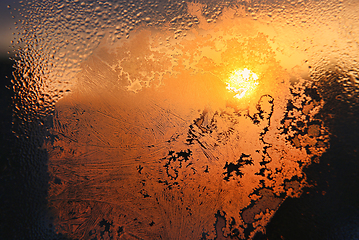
(242, 82)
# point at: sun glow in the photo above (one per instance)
(242, 82)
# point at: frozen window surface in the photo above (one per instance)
(153, 139)
(182, 120)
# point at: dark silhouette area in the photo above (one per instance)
(23, 172)
(329, 210)
(235, 167)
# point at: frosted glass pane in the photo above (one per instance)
(180, 119)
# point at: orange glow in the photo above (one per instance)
(159, 134)
(242, 82)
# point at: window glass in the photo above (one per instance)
(180, 119)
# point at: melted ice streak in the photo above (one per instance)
(150, 144)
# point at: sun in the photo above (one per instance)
(242, 82)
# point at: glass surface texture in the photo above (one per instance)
(180, 119)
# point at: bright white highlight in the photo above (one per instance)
(242, 82)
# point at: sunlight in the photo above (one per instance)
(242, 82)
